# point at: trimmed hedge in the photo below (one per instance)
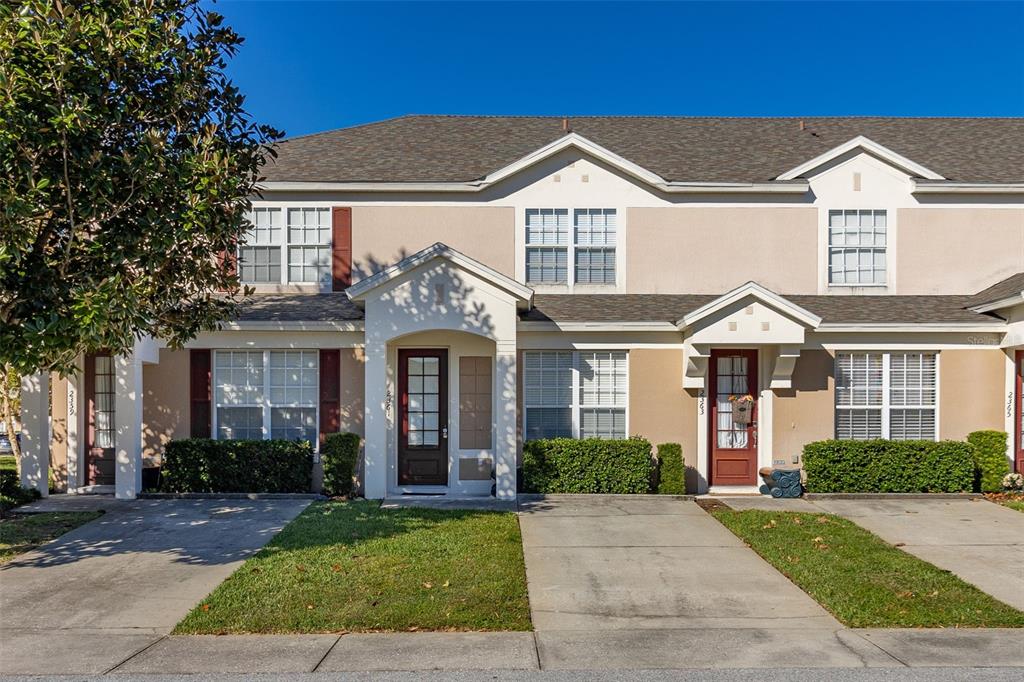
(339, 454)
(11, 493)
(990, 460)
(889, 466)
(592, 465)
(202, 465)
(671, 469)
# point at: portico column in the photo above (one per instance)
(379, 404)
(35, 432)
(505, 421)
(128, 422)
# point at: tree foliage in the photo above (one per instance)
(126, 163)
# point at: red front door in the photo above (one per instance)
(99, 442)
(423, 416)
(1019, 421)
(732, 436)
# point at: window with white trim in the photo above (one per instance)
(581, 394)
(584, 254)
(856, 247)
(266, 394)
(886, 395)
(286, 246)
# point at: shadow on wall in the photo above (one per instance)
(371, 265)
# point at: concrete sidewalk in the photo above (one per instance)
(606, 650)
(979, 541)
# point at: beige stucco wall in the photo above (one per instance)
(383, 235)
(971, 392)
(165, 403)
(59, 431)
(957, 250)
(804, 413)
(659, 409)
(713, 250)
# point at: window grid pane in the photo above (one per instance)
(599, 380)
(857, 241)
(595, 266)
(886, 395)
(547, 265)
(259, 264)
(309, 264)
(266, 226)
(547, 226)
(309, 226)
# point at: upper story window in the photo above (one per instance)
(588, 244)
(297, 238)
(886, 395)
(856, 247)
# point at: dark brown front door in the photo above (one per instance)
(99, 396)
(423, 416)
(1019, 455)
(733, 444)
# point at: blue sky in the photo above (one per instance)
(307, 67)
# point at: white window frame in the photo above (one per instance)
(887, 249)
(264, 403)
(887, 407)
(571, 247)
(284, 245)
(576, 405)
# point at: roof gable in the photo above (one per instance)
(868, 146)
(757, 292)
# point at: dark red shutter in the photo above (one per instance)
(341, 257)
(330, 391)
(200, 404)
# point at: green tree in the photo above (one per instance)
(126, 163)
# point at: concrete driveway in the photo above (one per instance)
(99, 594)
(657, 582)
(978, 540)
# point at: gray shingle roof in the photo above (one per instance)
(466, 148)
(334, 307)
(831, 309)
(1012, 285)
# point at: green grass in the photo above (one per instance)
(862, 580)
(1014, 504)
(351, 566)
(19, 534)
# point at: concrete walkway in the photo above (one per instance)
(981, 542)
(99, 594)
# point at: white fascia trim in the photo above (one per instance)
(522, 293)
(968, 188)
(278, 326)
(754, 289)
(535, 326)
(570, 140)
(917, 327)
(1007, 302)
(861, 142)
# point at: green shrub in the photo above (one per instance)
(990, 461)
(888, 466)
(202, 465)
(339, 454)
(593, 465)
(11, 492)
(671, 469)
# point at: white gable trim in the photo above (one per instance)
(873, 148)
(757, 291)
(570, 140)
(968, 187)
(1008, 302)
(523, 294)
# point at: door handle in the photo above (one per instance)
(444, 433)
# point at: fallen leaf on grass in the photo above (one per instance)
(797, 520)
(818, 539)
(428, 585)
(336, 567)
(446, 583)
(771, 524)
(206, 607)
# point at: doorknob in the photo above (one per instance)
(444, 432)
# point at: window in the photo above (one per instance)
(856, 247)
(590, 248)
(886, 395)
(575, 394)
(306, 239)
(266, 394)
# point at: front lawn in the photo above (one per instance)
(1011, 500)
(352, 566)
(862, 580)
(19, 534)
